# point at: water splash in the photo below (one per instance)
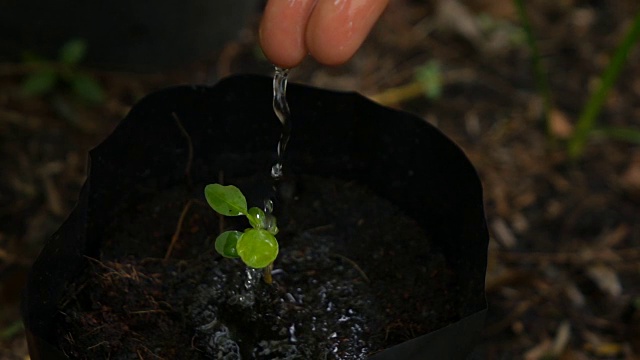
(247, 297)
(292, 333)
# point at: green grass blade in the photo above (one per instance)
(590, 112)
(539, 72)
(629, 135)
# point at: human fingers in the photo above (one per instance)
(282, 31)
(337, 28)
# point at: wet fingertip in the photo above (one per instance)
(327, 52)
(283, 60)
(281, 53)
(282, 31)
(337, 29)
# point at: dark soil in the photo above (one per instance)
(345, 284)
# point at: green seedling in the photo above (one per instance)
(48, 75)
(257, 246)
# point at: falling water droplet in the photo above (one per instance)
(268, 206)
(276, 170)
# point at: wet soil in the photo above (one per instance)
(345, 284)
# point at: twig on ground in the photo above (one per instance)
(21, 119)
(573, 258)
(98, 344)
(517, 313)
(9, 258)
(416, 89)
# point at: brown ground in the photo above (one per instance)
(564, 264)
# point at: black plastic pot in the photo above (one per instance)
(232, 127)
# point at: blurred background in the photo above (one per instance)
(543, 97)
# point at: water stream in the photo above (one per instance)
(281, 108)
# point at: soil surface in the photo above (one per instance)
(353, 277)
(563, 279)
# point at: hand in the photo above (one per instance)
(330, 30)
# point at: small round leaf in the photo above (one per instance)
(257, 218)
(226, 200)
(226, 243)
(257, 248)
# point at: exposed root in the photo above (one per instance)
(353, 263)
(176, 234)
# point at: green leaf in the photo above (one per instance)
(226, 200)
(39, 83)
(257, 218)
(257, 248)
(430, 76)
(72, 52)
(226, 243)
(87, 88)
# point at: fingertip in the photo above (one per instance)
(282, 31)
(336, 29)
(280, 53)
